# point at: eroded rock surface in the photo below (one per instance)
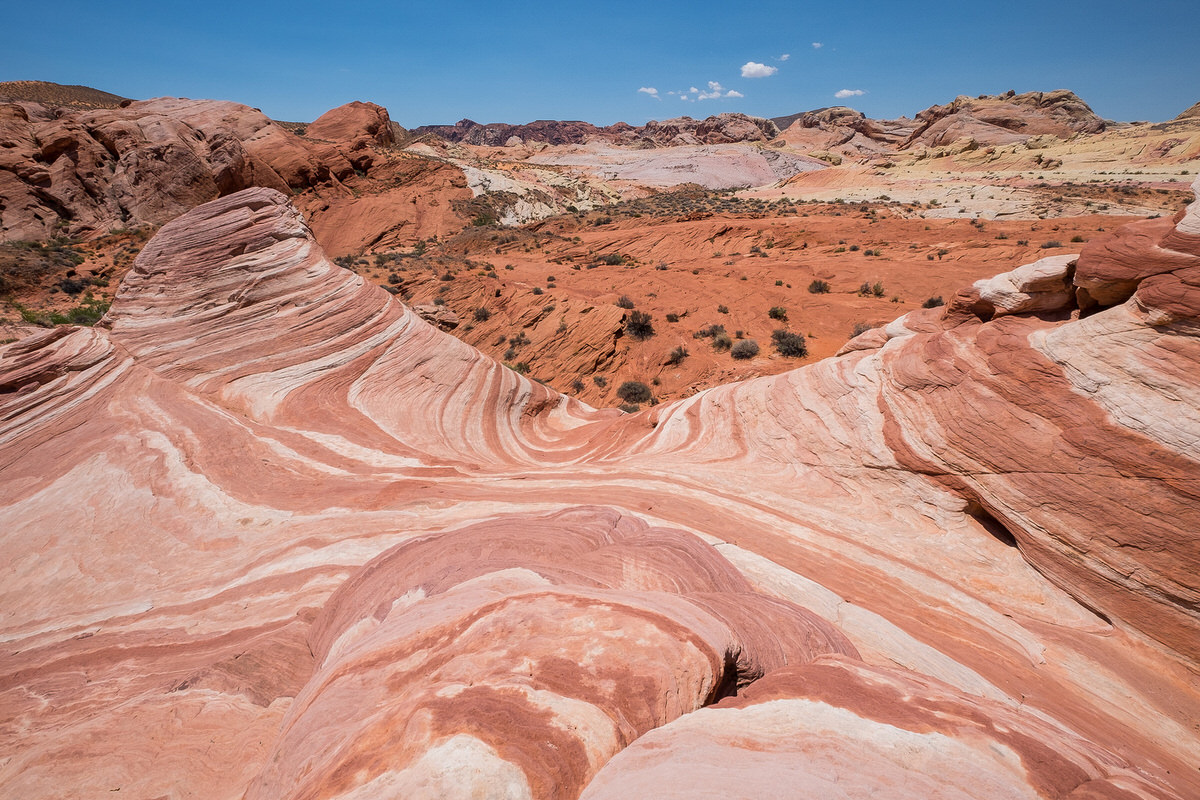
(86, 171)
(270, 534)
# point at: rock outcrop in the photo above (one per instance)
(1004, 119)
(57, 95)
(1191, 112)
(269, 534)
(500, 134)
(717, 129)
(843, 130)
(87, 171)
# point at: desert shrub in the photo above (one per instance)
(577, 385)
(482, 314)
(861, 328)
(72, 286)
(677, 355)
(672, 318)
(520, 340)
(634, 392)
(878, 289)
(600, 381)
(612, 259)
(779, 283)
(538, 290)
(778, 312)
(864, 289)
(709, 331)
(722, 309)
(933, 302)
(721, 342)
(630, 408)
(448, 276)
(818, 287)
(1051, 244)
(639, 325)
(624, 302)
(744, 349)
(792, 345)
(1076, 239)
(853, 248)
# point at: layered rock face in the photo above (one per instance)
(987, 120)
(87, 171)
(269, 534)
(717, 129)
(499, 134)
(1006, 118)
(845, 130)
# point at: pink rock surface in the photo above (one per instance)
(146, 162)
(1006, 118)
(841, 729)
(267, 533)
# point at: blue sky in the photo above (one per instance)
(437, 62)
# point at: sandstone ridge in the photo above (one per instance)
(270, 534)
(84, 172)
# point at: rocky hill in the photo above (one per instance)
(82, 173)
(1006, 118)
(717, 129)
(57, 95)
(1191, 112)
(986, 120)
(269, 534)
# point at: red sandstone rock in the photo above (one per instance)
(718, 129)
(355, 124)
(269, 534)
(1157, 258)
(838, 728)
(1003, 119)
(144, 162)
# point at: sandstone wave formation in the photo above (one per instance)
(268, 534)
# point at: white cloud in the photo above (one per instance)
(817, 45)
(842, 94)
(714, 91)
(753, 69)
(785, 56)
(650, 90)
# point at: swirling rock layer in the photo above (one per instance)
(270, 534)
